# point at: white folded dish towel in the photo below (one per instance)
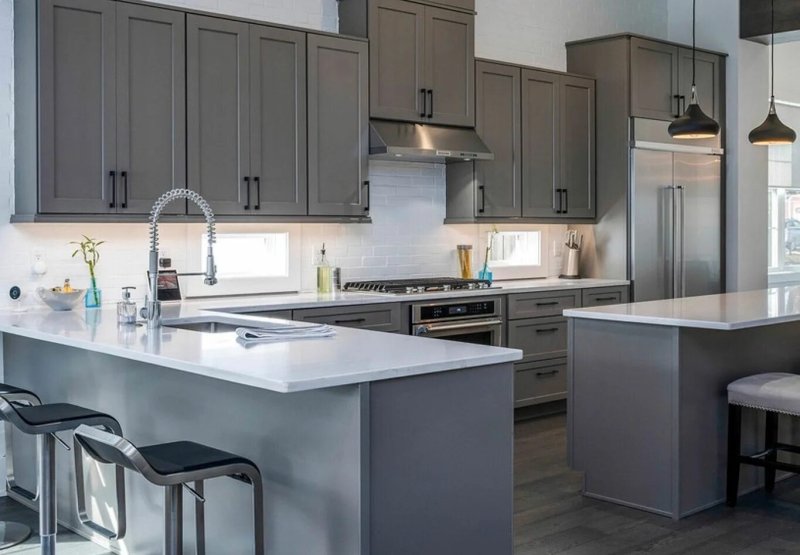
(284, 333)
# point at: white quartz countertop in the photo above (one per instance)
(730, 311)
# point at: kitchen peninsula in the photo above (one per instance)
(647, 393)
(367, 442)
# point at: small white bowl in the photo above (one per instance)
(58, 300)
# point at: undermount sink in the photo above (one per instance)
(212, 326)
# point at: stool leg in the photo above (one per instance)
(200, 520)
(258, 513)
(173, 520)
(771, 440)
(734, 450)
(47, 493)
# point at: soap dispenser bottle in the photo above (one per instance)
(126, 308)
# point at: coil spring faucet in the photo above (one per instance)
(152, 309)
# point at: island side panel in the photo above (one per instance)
(308, 446)
(622, 388)
(441, 463)
(709, 361)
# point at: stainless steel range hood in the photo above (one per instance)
(414, 142)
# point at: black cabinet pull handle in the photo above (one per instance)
(424, 111)
(683, 104)
(550, 303)
(257, 180)
(366, 196)
(677, 98)
(113, 175)
(482, 209)
(247, 185)
(430, 103)
(603, 299)
(547, 330)
(565, 209)
(547, 373)
(124, 189)
(351, 321)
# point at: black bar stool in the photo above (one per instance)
(173, 466)
(774, 394)
(44, 421)
(13, 533)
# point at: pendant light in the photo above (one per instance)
(694, 123)
(773, 131)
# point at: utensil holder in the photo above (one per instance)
(571, 267)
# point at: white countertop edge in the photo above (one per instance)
(588, 314)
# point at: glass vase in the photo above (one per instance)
(94, 298)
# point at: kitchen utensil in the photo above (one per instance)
(59, 300)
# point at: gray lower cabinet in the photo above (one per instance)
(540, 382)
(338, 127)
(601, 296)
(78, 114)
(539, 338)
(378, 317)
(542, 304)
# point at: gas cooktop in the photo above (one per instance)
(420, 285)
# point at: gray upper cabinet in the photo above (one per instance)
(151, 106)
(654, 79)
(338, 126)
(450, 66)
(498, 122)
(218, 110)
(77, 119)
(278, 148)
(708, 78)
(540, 128)
(396, 60)
(577, 148)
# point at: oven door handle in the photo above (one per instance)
(428, 328)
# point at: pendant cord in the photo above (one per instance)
(772, 52)
(694, 47)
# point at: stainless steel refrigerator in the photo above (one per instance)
(675, 221)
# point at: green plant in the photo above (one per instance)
(489, 244)
(91, 256)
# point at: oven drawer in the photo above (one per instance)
(537, 305)
(601, 296)
(540, 382)
(539, 338)
(377, 317)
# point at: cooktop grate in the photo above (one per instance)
(417, 285)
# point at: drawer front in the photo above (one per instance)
(381, 317)
(539, 338)
(537, 305)
(540, 382)
(604, 296)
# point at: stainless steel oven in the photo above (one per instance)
(477, 321)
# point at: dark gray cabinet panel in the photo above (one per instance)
(278, 146)
(540, 144)
(338, 126)
(708, 78)
(539, 338)
(540, 382)
(654, 79)
(541, 304)
(77, 119)
(396, 60)
(498, 122)
(377, 317)
(450, 66)
(151, 106)
(458, 4)
(602, 296)
(218, 110)
(577, 147)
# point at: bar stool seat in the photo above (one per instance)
(188, 456)
(57, 417)
(777, 391)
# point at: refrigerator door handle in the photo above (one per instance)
(674, 241)
(681, 228)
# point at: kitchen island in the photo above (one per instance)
(647, 398)
(368, 442)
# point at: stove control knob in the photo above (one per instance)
(446, 288)
(409, 289)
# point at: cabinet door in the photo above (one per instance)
(498, 122)
(540, 145)
(338, 127)
(77, 119)
(218, 110)
(450, 66)
(151, 106)
(577, 147)
(278, 120)
(709, 82)
(654, 80)
(396, 60)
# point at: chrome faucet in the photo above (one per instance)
(152, 309)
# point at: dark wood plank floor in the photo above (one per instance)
(552, 517)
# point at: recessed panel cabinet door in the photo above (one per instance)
(577, 147)
(540, 144)
(654, 80)
(278, 121)
(396, 60)
(151, 106)
(709, 83)
(338, 127)
(77, 117)
(450, 66)
(498, 122)
(218, 113)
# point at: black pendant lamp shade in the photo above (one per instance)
(773, 131)
(694, 123)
